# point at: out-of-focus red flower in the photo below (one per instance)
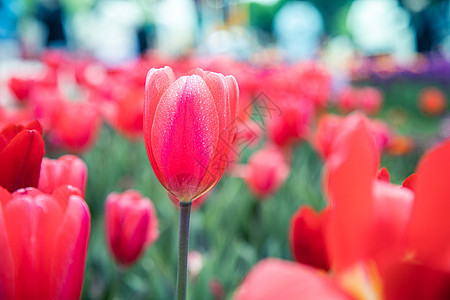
(44, 239)
(22, 116)
(20, 87)
(400, 145)
(314, 82)
(432, 101)
(265, 172)
(277, 279)
(330, 127)
(380, 210)
(293, 123)
(76, 126)
(197, 203)
(66, 170)
(125, 112)
(217, 289)
(307, 237)
(368, 99)
(131, 225)
(21, 153)
(371, 99)
(189, 125)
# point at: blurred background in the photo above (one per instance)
(94, 54)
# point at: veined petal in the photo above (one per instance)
(157, 82)
(184, 136)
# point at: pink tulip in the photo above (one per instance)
(265, 172)
(189, 125)
(131, 225)
(68, 169)
(44, 239)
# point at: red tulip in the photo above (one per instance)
(21, 152)
(189, 125)
(368, 217)
(125, 112)
(75, 126)
(330, 127)
(293, 123)
(66, 170)
(307, 237)
(44, 239)
(265, 172)
(20, 87)
(371, 99)
(278, 279)
(131, 225)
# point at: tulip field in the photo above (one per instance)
(297, 188)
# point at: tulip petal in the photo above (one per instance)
(7, 284)
(21, 160)
(70, 244)
(157, 82)
(184, 136)
(278, 279)
(351, 169)
(429, 230)
(307, 237)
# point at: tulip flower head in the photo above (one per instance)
(131, 225)
(189, 125)
(266, 171)
(44, 239)
(68, 169)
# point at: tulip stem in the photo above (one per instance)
(183, 247)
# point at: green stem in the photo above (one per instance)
(183, 247)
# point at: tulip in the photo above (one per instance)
(293, 123)
(21, 152)
(189, 124)
(131, 225)
(68, 169)
(265, 172)
(44, 239)
(307, 237)
(76, 126)
(330, 128)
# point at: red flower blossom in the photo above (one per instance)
(44, 239)
(131, 225)
(66, 170)
(265, 172)
(189, 124)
